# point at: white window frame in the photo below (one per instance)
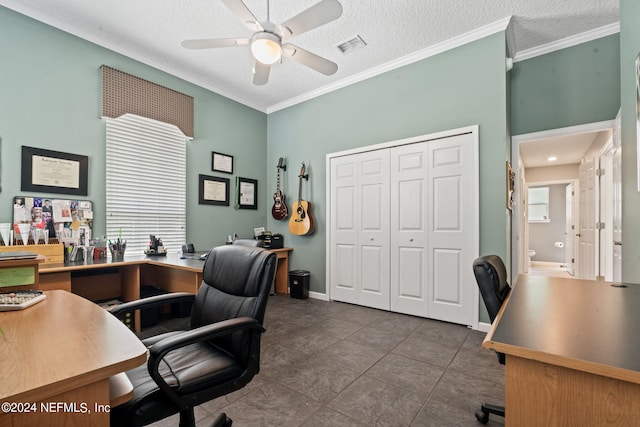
(145, 183)
(541, 204)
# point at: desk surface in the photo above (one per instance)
(585, 325)
(60, 344)
(170, 260)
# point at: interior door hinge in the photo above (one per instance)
(599, 225)
(599, 172)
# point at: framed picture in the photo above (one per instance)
(511, 186)
(247, 193)
(221, 162)
(50, 171)
(213, 190)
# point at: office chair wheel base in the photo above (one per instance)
(222, 421)
(482, 416)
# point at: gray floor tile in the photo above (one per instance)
(417, 377)
(318, 379)
(336, 364)
(350, 355)
(327, 417)
(466, 392)
(437, 414)
(377, 403)
(426, 351)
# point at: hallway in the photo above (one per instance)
(552, 269)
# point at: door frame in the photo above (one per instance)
(474, 130)
(576, 212)
(518, 250)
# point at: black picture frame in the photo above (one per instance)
(221, 162)
(247, 193)
(213, 190)
(55, 172)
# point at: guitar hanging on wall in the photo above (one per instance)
(301, 222)
(279, 210)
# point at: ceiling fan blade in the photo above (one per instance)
(213, 43)
(319, 14)
(240, 10)
(309, 59)
(261, 73)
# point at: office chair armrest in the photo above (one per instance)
(154, 301)
(182, 339)
(203, 333)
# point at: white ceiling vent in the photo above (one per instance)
(351, 45)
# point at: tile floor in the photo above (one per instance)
(335, 364)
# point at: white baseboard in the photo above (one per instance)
(484, 327)
(318, 295)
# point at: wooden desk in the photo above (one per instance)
(107, 279)
(62, 350)
(572, 353)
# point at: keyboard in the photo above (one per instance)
(19, 300)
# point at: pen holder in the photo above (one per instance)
(117, 254)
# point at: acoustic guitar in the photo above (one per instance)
(301, 222)
(279, 210)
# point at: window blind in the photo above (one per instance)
(145, 182)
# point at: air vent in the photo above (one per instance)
(351, 45)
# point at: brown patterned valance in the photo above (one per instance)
(124, 93)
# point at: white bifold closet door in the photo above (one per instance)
(403, 233)
(360, 235)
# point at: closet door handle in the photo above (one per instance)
(371, 238)
(411, 239)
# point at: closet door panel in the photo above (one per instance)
(373, 235)
(344, 253)
(452, 229)
(409, 221)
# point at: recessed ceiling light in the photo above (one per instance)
(552, 158)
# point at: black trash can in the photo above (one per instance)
(149, 316)
(299, 284)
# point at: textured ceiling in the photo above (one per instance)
(569, 149)
(151, 31)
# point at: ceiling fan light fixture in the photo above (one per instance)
(266, 48)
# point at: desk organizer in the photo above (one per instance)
(54, 252)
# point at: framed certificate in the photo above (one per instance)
(54, 172)
(247, 193)
(213, 190)
(221, 162)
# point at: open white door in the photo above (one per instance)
(570, 231)
(588, 238)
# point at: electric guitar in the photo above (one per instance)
(279, 210)
(301, 222)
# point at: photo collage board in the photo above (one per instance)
(65, 221)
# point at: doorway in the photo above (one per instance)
(558, 157)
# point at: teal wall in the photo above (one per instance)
(461, 87)
(572, 86)
(629, 48)
(49, 98)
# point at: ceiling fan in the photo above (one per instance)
(269, 42)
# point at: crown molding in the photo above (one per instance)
(468, 37)
(92, 38)
(574, 40)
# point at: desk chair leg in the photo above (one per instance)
(187, 418)
(483, 414)
(222, 421)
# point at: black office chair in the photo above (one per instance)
(249, 242)
(491, 276)
(221, 351)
